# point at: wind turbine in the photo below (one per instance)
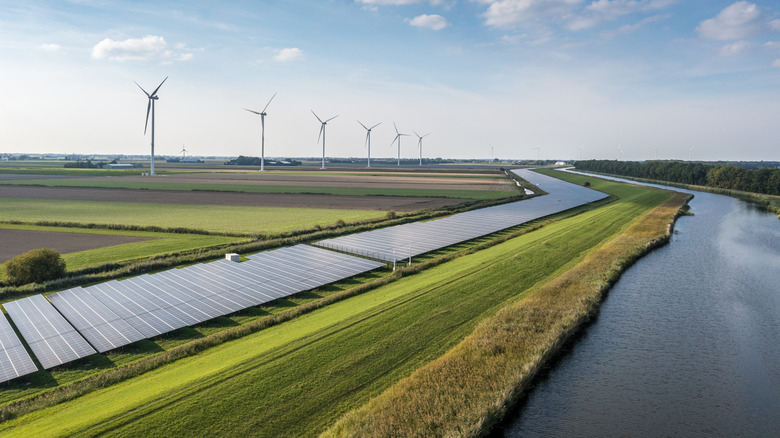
(322, 134)
(492, 154)
(538, 151)
(150, 107)
(262, 115)
(580, 159)
(690, 154)
(419, 143)
(368, 139)
(397, 138)
(620, 149)
(183, 152)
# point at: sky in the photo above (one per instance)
(590, 79)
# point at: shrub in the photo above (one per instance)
(391, 214)
(587, 184)
(36, 266)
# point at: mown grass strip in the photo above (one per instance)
(469, 389)
(322, 371)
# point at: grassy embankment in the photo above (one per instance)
(245, 188)
(470, 388)
(770, 202)
(295, 378)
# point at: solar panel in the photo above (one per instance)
(143, 317)
(409, 240)
(50, 337)
(14, 360)
(103, 328)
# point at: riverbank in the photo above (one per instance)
(470, 388)
(769, 202)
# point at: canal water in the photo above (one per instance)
(687, 343)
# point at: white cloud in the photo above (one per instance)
(570, 13)
(602, 11)
(739, 20)
(289, 54)
(734, 48)
(507, 13)
(148, 48)
(776, 64)
(772, 45)
(435, 22)
(51, 47)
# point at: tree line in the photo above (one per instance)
(765, 181)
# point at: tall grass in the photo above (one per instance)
(469, 389)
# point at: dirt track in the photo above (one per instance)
(401, 204)
(16, 242)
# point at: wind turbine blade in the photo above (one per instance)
(251, 111)
(430, 134)
(142, 89)
(322, 128)
(158, 87)
(326, 121)
(148, 108)
(368, 138)
(269, 102)
(415, 133)
(396, 128)
(364, 126)
(376, 125)
(315, 115)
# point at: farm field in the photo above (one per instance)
(298, 377)
(214, 218)
(104, 245)
(459, 185)
(345, 202)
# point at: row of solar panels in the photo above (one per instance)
(408, 240)
(76, 323)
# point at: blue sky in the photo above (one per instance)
(665, 78)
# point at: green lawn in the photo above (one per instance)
(246, 188)
(215, 218)
(297, 378)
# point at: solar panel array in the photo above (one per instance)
(408, 240)
(50, 337)
(120, 312)
(14, 360)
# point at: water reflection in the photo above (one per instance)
(685, 344)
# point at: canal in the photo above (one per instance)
(685, 344)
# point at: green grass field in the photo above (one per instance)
(245, 188)
(297, 378)
(215, 218)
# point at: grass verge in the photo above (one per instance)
(470, 388)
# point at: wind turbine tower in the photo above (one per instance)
(322, 134)
(620, 149)
(150, 107)
(690, 154)
(419, 143)
(398, 136)
(183, 152)
(538, 151)
(262, 115)
(368, 139)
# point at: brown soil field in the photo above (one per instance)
(16, 242)
(401, 204)
(330, 180)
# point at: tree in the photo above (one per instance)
(36, 266)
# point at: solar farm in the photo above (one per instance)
(78, 322)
